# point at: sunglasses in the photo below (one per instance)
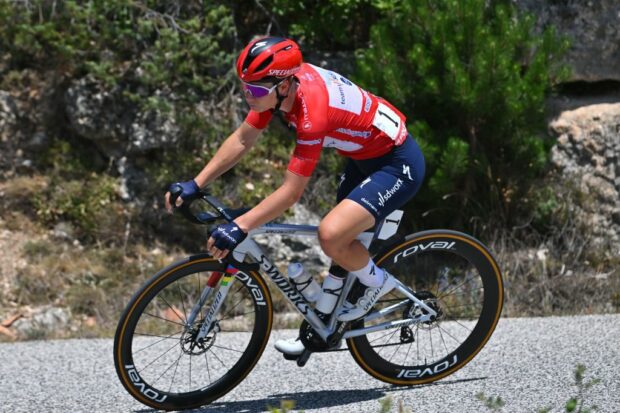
(257, 91)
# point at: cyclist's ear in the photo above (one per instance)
(285, 85)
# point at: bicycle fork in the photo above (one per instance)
(224, 279)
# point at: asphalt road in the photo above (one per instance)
(529, 363)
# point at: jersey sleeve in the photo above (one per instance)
(259, 120)
(306, 155)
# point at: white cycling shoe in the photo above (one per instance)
(368, 299)
(290, 347)
(294, 347)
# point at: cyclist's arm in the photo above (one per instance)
(275, 204)
(227, 156)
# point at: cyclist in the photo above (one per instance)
(385, 167)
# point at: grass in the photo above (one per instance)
(576, 404)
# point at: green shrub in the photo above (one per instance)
(477, 75)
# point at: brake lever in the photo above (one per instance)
(175, 192)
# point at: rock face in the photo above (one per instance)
(593, 27)
(8, 124)
(117, 126)
(283, 250)
(8, 113)
(588, 152)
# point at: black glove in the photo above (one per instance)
(228, 236)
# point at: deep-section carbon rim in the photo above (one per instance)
(162, 364)
(457, 275)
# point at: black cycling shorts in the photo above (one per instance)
(384, 184)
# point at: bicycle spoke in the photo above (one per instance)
(159, 341)
(173, 310)
(182, 301)
(397, 348)
(208, 371)
(459, 323)
(160, 356)
(450, 292)
(430, 336)
(169, 367)
(389, 338)
(227, 348)
(165, 319)
(379, 338)
(444, 342)
(190, 374)
(175, 373)
(238, 302)
(408, 349)
(417, 341)
(239, 315)
(448, 334)
(218, 359)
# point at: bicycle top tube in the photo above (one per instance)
(229, 214)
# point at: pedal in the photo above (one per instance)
(303, 358)
(291, 357)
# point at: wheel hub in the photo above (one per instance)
(190, 344)
(416, 311)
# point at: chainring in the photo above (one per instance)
(311, 339)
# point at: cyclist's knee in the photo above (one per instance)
(330, 239)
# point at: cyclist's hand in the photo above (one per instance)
(224, 239)
(190, 190)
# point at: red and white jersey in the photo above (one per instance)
(331, 111)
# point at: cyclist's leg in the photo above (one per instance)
(376, 188)
(396, 181)
(333, 283)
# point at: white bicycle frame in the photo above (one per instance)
(249, 248)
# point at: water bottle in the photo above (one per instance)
(332, 287)
(304, 282)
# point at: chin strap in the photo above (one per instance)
(281, 97)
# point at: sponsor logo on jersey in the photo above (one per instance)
(367, 102)
(342, 93)
(364, 200)
(383, 198)
(340, 144)
(355, 133)
(307, 124)
(407, 171)
(308, 142)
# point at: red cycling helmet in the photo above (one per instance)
(269, 57)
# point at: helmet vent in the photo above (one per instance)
(265, 63)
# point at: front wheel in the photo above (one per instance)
(160, 356)
(455, 275)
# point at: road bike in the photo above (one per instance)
(197, 328)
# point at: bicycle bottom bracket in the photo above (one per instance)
(190, 344)
(311, 339)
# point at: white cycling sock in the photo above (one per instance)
(370, 275)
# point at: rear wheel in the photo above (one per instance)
(158, 356)
(455, 275)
